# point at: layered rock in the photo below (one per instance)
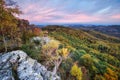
(17, 64)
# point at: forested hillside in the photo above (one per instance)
(97, 54)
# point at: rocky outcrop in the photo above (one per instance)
(16, 65)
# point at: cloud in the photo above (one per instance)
(52, 15)
(104, 10)
(116, 16)
(70, 11)
(73, 18)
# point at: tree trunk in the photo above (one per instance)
(4, 41)
(54, 70)
(57, 64)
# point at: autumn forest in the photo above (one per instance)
(86, 53)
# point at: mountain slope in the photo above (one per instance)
(99, 53)
(102, 36)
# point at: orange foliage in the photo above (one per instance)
(110, 75)
(36, 31)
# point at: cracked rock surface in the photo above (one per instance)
(16, 65)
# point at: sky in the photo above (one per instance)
(70, 11)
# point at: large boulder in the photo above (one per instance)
(17, 64)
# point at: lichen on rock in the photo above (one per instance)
(26, 67)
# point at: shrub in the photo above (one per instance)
(76, 71)
(50, 47)
(31, 51)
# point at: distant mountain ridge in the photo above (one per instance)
(112, 30)
(86, 31)
(109, 30)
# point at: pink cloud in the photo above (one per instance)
(45, 14)
(38, 15)
(61, 11)
(116, 16)
(34, 13)
(29, 8)
(54, 15)
(76, 18)
(49, 17)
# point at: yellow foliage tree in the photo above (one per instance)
(54, 55)
(50, 47)
(87, 60)
(64, 52)
(76, 72)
